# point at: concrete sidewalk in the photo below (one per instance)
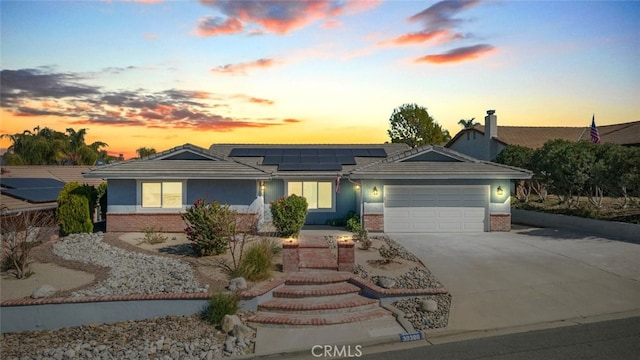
(529, 276)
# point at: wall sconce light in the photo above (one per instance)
(375, 191)
(262, 186)
(499, 191)
(357, 187)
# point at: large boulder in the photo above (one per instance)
(229, 322)
(386, 282)
(238, 283)
(43, 291)
(428, 305)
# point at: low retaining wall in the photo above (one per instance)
(609, 229)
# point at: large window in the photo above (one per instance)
(319, 194)
(166, 195)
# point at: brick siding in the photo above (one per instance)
(160, 222)
(374, 222)
(500, 222)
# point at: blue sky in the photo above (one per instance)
(163, 73)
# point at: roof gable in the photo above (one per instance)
(184, 152)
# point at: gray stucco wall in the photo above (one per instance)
(235, 192)
(471, 143)
(121, 192)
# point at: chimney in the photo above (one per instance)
(490, 132)
(491, 124)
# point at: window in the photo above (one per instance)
(162, 195)
(319, 194)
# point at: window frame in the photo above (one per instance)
(162, 207)
(317, 192)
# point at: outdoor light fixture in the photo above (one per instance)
(499, 191)
(375, 191)
(262, 186)
(357, 186)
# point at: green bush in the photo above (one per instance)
(289, 214)
(102, 200)
(209, 226)
(73, 215)
(257, 262)
(221, 304)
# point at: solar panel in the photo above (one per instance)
(26, 183)
(308, 159)
(34, 195)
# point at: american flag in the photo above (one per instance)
(338, 184)
(595, 135)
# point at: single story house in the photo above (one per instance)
(487, 141)
(393, 188)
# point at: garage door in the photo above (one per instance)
(412, 209)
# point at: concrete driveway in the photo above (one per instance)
(529, 276)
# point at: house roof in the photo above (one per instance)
(65, 174)
(451, 165)
(278, 171)
(180, 162)
(535, 136)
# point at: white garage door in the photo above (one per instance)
(413, 209)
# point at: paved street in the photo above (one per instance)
(529, 276)
(614, 339)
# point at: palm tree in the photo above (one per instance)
(467, 124)
(145, 152)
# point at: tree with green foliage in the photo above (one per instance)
(411, 124)
(467, 124)
(521, 157)
(210, 225)
(145, 152)
(49, 147)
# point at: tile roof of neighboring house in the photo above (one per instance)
(161, 166)
(63, 173)
(460, 167)
(390, 149)
(535, 136)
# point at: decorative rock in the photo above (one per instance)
(242, 330)
(229, 344)
(386, 282)
(238, 283)
(229, 322)
(43, 291)
(428, 305)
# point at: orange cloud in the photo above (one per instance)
(456, 55)
(416, 38)
(282, 17)
(241, 68)
(211, 26)
(291, 121)
(331, 24)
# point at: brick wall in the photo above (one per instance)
(346, 256)
(374, 222)
(500, 222)
(161, 222)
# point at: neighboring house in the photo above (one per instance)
(36, 187)
(479, 143)
(392, 187)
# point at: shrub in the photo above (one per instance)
(221, 304)
(73, 215)
(289, 214)
(353, 222)
(389, 253)
(151, 236)
(209, 226)
(102, 200)
(256, 264)
(20, 234)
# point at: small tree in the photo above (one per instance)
(209, 226)
(76, 203)
(289, 214)
(22, 232)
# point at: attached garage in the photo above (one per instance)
(415, 208)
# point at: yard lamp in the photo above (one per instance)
(375, 191)
(499, 191)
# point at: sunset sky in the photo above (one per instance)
(163, 73)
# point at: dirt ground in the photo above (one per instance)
(69, 276)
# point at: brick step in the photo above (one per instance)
(272, 318)
(300, 291)
(312, 276)
(320, 305)
(321, 259)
